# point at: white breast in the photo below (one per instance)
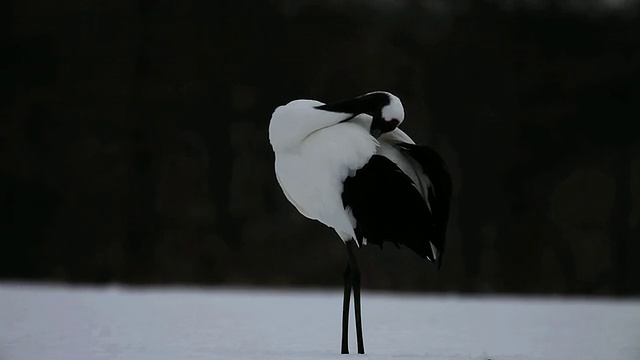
(312, 175)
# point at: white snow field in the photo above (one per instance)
(51, 322)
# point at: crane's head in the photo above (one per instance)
(385, 109)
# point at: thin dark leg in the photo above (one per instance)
(356, 303)
(345, 309)
(355, 282)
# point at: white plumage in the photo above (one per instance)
(311, 173)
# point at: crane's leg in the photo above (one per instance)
(345, 309)
(355, 282)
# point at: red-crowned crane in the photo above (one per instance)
(347, 165)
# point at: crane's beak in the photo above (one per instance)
(365, 104)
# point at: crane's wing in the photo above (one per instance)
(439, 192)
(388, 207)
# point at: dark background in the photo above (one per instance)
(133, 139)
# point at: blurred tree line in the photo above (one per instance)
(133, 139)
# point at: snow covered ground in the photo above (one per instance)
(45, 322)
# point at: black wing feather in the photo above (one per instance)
(441, 191)
(388, 207)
